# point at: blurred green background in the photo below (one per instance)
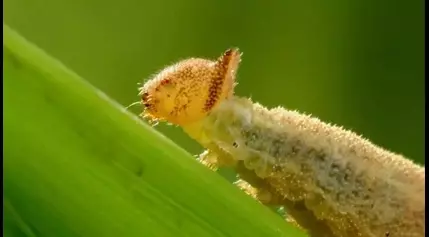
(359, 64)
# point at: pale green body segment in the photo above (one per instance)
(332, 181)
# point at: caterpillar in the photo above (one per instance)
(331, 181)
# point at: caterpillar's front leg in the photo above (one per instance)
(214, 158)
(262, 195)
(209, 159)
(256, 187)
(303, 218)
(248, 182)
(265, 196)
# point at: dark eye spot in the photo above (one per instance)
(235, 144)
(145, 95)
(165, 81)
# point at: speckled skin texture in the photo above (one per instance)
(186, 91)
(332, 181)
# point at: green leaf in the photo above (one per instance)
(78, 164)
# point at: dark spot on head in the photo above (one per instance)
(165, 82)
(144, 96)
(234, 144)
(228, 52)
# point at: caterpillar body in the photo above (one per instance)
(331, 181)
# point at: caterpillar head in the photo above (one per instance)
(187, 91)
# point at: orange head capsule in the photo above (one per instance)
(188, 90)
